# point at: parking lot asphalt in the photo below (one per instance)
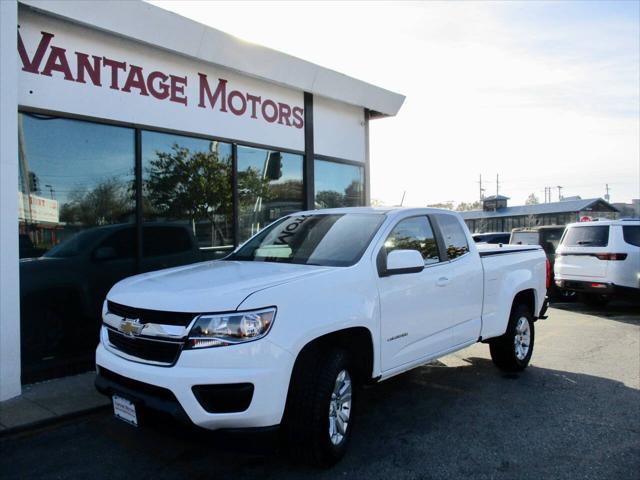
(574, 413)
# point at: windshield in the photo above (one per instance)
(336, 240)
(73, 246)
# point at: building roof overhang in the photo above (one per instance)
(142, 22)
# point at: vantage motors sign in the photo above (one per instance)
(71, 69)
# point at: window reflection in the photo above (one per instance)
(188, 181)
(414, 234)
(269, 187)
(453, 235)
(75, 193)
(338, 185)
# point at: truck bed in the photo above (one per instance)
(504, 266)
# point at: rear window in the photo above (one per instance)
(591, 236)
(631, 235)
(455, 240)
(524, 238)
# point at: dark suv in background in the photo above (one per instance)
(548, 237)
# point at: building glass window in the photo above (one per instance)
(454, 237)
(187, 185)
(269, 187)
(76, 208)
(338, 185)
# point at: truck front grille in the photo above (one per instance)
(162, 351)
(151, 316)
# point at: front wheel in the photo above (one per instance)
(319, 413)
(512, 351)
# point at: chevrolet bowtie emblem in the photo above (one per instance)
(130, 326)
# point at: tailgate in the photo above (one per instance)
(580, 264)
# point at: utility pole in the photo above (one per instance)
(559, 193)
(607, 196)
(481, 189)
(497, 184)
(545, 194)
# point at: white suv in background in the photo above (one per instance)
(600, 259)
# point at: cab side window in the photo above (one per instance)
(414, 234)
(122, 243)
(453, 235)
(159, 241)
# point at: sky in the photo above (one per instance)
(540, 93)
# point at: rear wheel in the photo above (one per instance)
(319, 413)
(512, 351)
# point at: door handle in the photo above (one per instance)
(443, 282)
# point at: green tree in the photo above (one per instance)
(353, 194)
(197, 186)
(464, 206)
(193, 185)
(532, 200)
(445, 205)
(329, 199)
(106, 203)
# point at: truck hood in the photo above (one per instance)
(214, 286)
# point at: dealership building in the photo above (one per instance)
(133, 139)
(496, 216)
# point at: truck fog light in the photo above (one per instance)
(217, 330)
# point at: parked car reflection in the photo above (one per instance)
(62, 291)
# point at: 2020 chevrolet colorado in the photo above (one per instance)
(281, 331)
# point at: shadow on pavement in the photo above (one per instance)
(625, 311)
(471, 421)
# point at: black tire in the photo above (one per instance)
(504, 350)
(306, 421)
(595, 299)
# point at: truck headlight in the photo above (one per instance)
(217, 330)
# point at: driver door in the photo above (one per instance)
(414, 320)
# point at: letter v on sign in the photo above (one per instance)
(34, 65)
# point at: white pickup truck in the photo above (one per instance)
(283, 330)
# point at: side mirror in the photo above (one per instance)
(102, 254)
(403, 261)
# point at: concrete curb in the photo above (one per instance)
(51, 421)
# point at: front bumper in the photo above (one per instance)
(262, 364)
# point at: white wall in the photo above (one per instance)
(9, 280)
(338, 129)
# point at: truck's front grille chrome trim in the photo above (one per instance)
(182, 319)
(155, 351)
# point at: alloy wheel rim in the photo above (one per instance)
(522, 339)
(340, 408)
